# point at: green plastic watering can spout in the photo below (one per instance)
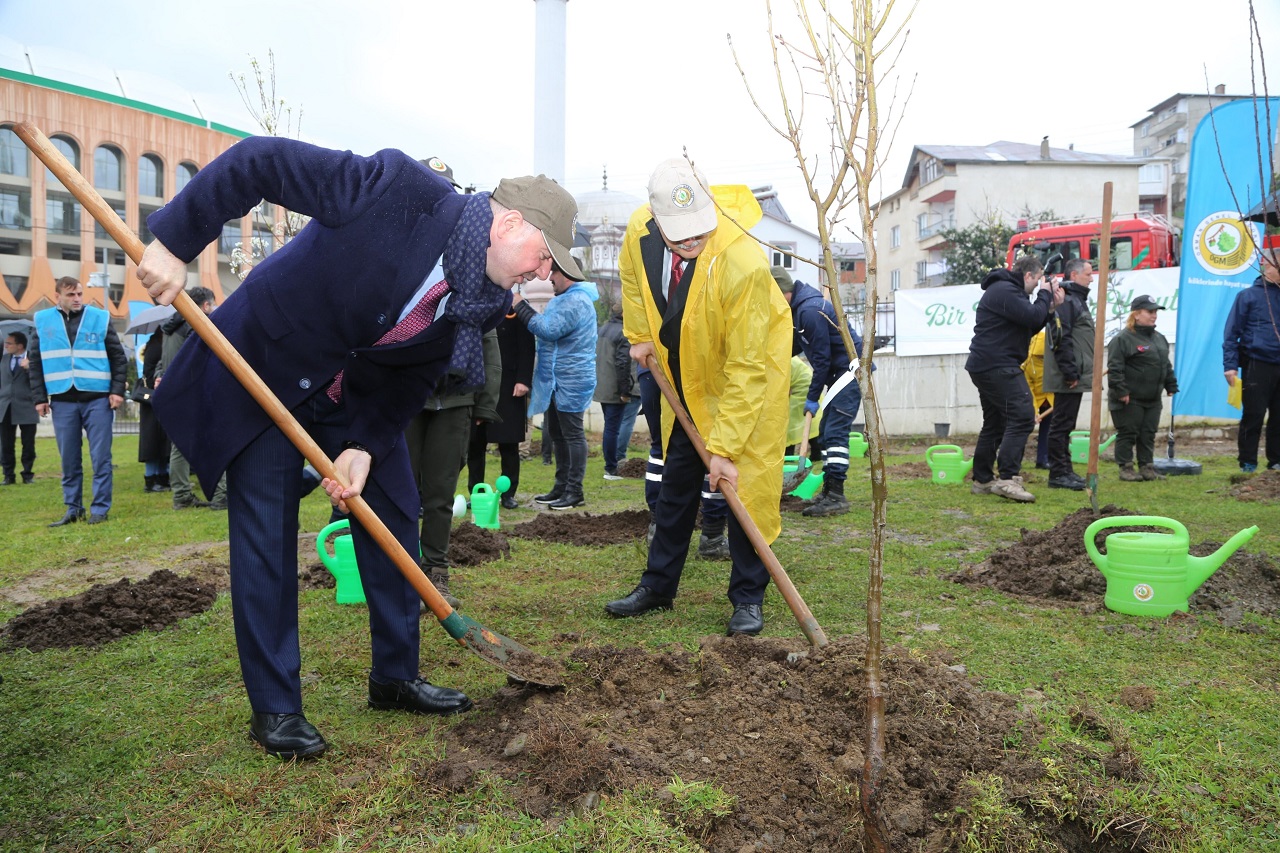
(1199, 569)
(1108, 442)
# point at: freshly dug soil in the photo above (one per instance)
(583, 528)
(470, 545)
(1264, 486)
(777, 726)
(108, 612)
(910, 471)
(633, 469)
(1053, 565)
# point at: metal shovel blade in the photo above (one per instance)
(512, 658)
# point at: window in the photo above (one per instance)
(107, 171)
(930, 170)
(62, 215)
(922, 272)
(13, 154)
(1121, 253)
(1151, 172)
(17, 285)
(1145, 129)
(895, 280)
(67, 149)
(922, 225)
(144, 233)
(15, 209)
(230, 237)
(150, 176)
(265, 242)
(781, 258)
(186, 171)
(895, 237)
(1146, 151)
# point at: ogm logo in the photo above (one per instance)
(1143, 592)
(1224, 243)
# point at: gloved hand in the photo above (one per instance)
(811, 407)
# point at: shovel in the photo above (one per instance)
(808, 625)
(795, 478)
(514, 659)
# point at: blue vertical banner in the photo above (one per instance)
(1219, 248)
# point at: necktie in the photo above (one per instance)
(677, 272)
(412, 323)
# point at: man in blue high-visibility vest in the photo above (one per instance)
(78, 368)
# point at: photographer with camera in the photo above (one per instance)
(1004, 324)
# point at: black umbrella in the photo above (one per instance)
(1267, 210)
(8, 327)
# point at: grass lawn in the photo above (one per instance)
(141, 744)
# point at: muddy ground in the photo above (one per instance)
(777, 726)
(633, 468)
(583, 528)
(1263, 486)
(1052, 565)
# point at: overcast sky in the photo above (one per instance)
(455, 80)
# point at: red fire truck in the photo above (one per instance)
(1138, 241)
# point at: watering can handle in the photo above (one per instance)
(948, 448)
(330, 560)
(1129, 521)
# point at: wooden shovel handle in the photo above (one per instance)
(227, 354)
(808, 625)
(804, 442)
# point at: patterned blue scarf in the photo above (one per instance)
(474, 298)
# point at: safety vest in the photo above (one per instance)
(83, 365)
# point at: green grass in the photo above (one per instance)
(140, 745)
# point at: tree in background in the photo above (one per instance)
(975, 250)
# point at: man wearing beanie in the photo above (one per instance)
(818, 337)
(698, 299)
(350, 330)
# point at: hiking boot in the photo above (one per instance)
(440, 580)
(188, 502)
(1068, 481)
(713, 547)
(1149, 472)
(1129, 475)
(981, 488)
(1012, 489)
(828, 503)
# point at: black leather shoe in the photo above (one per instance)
(97, 518)
(71, 517)
(746, 619)
(640, 600)
(509, 502)
(417, 697)
(568, 502)
(28, 479)
(550, 497)
(286, 735)
(8, 481)
(1076, 484)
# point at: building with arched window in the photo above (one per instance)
(135, 153)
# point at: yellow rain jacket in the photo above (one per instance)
(801, 378)
(735, 349)
(1033, 369)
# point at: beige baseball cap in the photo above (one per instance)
(548, 207)
(680, 199)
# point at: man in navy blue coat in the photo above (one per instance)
(350, 330)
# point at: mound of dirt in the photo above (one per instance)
(1264, 486)
(470, 545)
(1054, 565)
(778, 727)
(107, 612)
(910, 470)
(633, 469)
(791, 503)
(584, 528)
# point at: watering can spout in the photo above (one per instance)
(1199, 569)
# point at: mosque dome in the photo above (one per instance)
(606, 205)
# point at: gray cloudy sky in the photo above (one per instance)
(455, 80)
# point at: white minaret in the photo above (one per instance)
(548, 89)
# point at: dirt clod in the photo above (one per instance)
(585, 528)
(470, 545)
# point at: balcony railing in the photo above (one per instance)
(935, 229)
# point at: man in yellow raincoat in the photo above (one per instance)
(697, 296)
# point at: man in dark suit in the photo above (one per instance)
(348, 328)
(17, 410)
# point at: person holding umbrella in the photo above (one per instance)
(17, 410)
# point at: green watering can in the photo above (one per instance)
(947, 463)
(1153, 574)
(484, 502)
(342, 562)
(857, 445)
(1079, 444)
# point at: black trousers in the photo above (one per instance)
(437, 441)
(1136, 424)
(1008, 416)
(508, 453)
(675, 514)
(8, 445)
(1066, 411)
(1261, 398)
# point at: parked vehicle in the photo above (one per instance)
(1138, 241)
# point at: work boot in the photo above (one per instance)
(28, 478)
(831, 502)
(440, 580)
(1012, 489)
(148, 483)
(1149, 472)
(8, 480)
(188, 501)
(713, 547)
(1129, 475)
